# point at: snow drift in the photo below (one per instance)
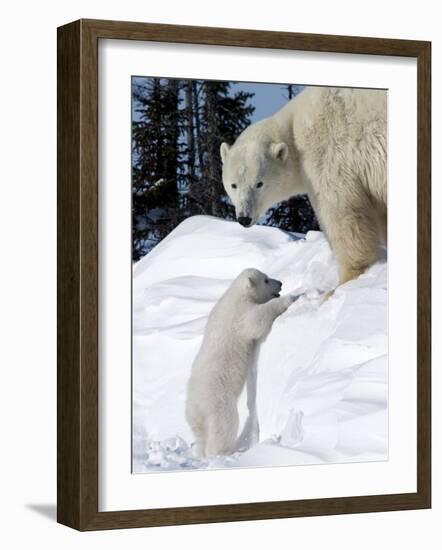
(322, 382)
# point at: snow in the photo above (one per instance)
(322, 373)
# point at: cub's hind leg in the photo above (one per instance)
(222, 429)
(198, 424)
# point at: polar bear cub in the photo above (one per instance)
(241, 318)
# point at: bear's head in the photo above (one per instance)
(257, 172)
(259, 286)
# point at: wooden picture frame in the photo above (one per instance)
(77, 461)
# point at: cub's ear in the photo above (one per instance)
(225, 148)
(279, 151)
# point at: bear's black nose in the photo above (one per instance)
(245, 221)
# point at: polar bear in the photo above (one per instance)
(239, 321)
(330, 143)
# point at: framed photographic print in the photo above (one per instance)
(236, 340)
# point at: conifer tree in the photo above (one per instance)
(223, 115)
(178, 127)
(155, 160)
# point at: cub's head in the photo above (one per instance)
(256, 173)
(259, 286)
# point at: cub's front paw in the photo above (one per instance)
(294, 297)
(288, 300)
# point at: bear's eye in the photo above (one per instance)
(266, 281)
(234, 185)
(259, 184)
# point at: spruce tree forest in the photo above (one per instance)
(177, 129)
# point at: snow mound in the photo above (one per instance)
(322, 380)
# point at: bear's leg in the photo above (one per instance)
(198, 425)
(354, 238)
(261, 318)
(199, 429)
(383, 227)
(222, 429)
(250, 433)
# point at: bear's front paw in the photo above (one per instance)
(292, 298)
(288, 300)
(327, 295)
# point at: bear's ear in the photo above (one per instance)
(225, 148)
(279, 151)
(250, 283)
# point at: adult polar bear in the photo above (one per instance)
(330, 143)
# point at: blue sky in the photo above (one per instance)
(268, 99)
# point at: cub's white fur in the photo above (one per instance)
(241, 318)
(330, 143)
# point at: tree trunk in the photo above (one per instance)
(290, 91)
(190, 131)
(212, 144)
(171, 130)
(190, 138)
(197, 115)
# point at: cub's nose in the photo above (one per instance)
(245, 221)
